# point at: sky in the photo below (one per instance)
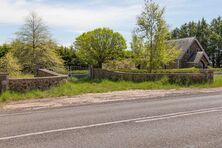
(67, 19)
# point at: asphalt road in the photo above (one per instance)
(173, 122)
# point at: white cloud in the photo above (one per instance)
(74, 17)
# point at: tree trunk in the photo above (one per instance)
(100, 65)
(151, 49)
(151, 54)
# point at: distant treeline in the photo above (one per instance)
(209, 35)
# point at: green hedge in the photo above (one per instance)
(173, 78)
(216, 69)
(185, 70)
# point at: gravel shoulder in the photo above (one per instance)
(100, 98)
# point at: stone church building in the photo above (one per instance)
(191, 54)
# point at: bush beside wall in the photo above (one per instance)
(179, 78)
(158, 71)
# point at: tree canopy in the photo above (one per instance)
(201, 30)
(150, 39)
(34, 47)
(69, 56)
(99, 46)
(4, 49)
(209, 35)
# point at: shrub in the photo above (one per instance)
(186, 80)
(185, 70)
(9, 64)
(4, 49)
(119, 65)
(216, 69)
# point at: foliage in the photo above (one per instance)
(9, 64)
(22, 76)
(76, 87)
(200, 30)
(138, 50)
(127, 54)
(83, 72)
(215, 69)
(99, 46)
(185, 70)
(215, 42)
(4, 49)
(209, 35)
(69, 56)
(34, 47)
(119, 64)
(150, 41)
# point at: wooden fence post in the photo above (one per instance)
(3, 82)
(91, 71)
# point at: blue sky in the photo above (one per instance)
(69, 18)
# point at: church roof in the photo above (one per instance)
(185, 43)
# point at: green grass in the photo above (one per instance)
(23, 76)
(80, 72)
(185, 70)
(76, 87)
(216, 69)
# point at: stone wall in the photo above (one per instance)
(43, 80)
(3, 82)
(184, 78)
(42, 83)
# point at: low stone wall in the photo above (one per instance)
(42, 83)
(183, 78)
(43, 80)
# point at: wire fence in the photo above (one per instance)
(78, 68)
(78, 71)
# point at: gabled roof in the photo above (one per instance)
(185, 43)
(198, 57)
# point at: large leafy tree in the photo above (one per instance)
(34, 47)
(99, 46)
(151, 38)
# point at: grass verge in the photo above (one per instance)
(79, 72)
(77, 87)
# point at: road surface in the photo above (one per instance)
(172, 122)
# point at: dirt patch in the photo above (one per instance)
(101, 97)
